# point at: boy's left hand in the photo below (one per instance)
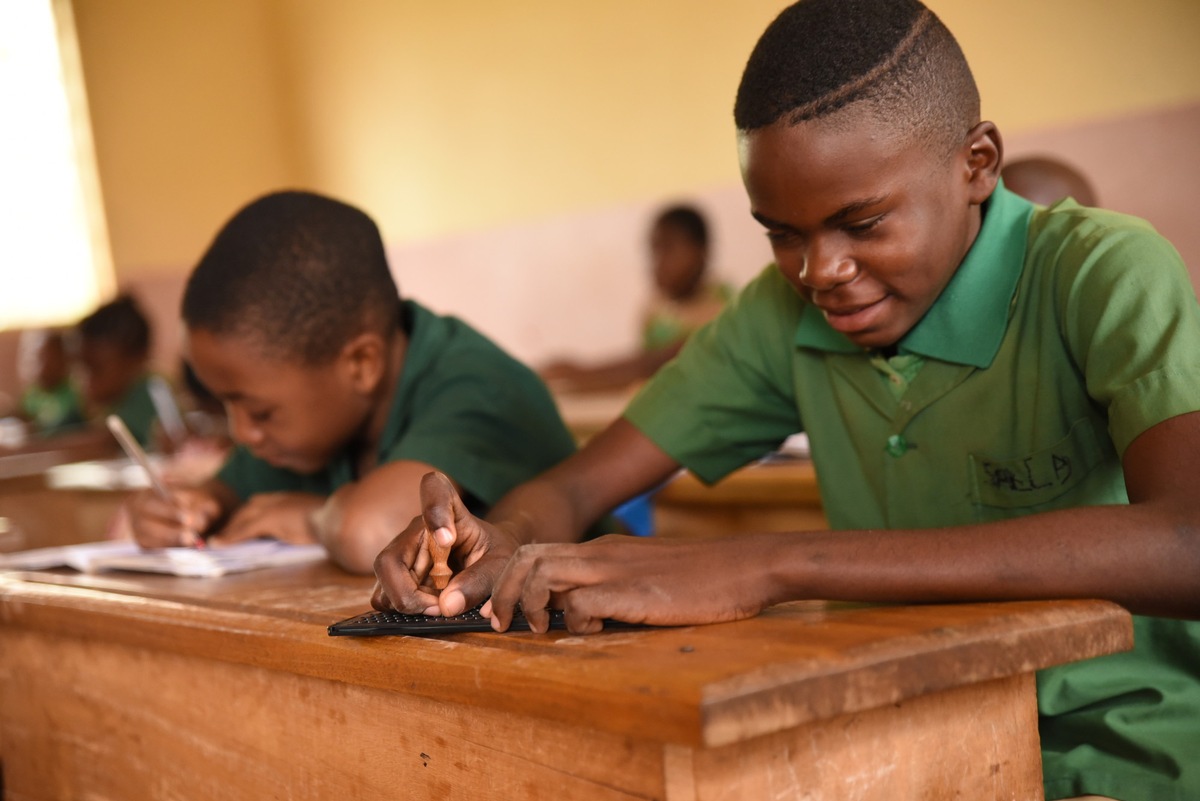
(284, 516)
(657, 582)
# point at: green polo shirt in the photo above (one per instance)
(53, 410)
(136, 409)
(1064, 334)
(461, 405)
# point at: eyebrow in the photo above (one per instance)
(839, 216)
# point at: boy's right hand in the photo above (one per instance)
(479, 552)
(161, 523)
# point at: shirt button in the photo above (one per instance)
(897, 445)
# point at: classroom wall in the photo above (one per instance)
(451, 117)
(512, 152)
(189, 116)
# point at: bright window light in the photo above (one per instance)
(55, 263)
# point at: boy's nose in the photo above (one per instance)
(243, 430)
(822, 270)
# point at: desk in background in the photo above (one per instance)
(777, 495)
(148, 687)
(34, 514)
(588, 413)
(767, 496)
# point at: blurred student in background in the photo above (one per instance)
(206, 443)
(684, 300)
(49, 400)
(1045, 181)
(113, 347)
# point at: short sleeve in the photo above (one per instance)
(1130, 319)
(489, 423)
(728, 397)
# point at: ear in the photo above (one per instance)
(984, 154)
(364, 360)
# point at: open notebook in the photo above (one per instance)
(94, 557)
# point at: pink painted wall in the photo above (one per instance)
(574, 285)
(1146, 165)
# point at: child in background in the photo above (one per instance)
(49, 401)
(684, 300)
(1046, 181)
(113, 345)
(1003, 403)
(339, 394)
(205, 446)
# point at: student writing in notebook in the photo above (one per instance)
(1003, 402)
(340, 394)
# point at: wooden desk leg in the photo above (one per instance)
(975, 743)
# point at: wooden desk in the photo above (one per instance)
(35, 515)
(149, 687)
(588, 413)
(40, 455)
(770, 496)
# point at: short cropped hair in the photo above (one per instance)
(121, 323)
(892, 58)
(296, 273)
(687, 219)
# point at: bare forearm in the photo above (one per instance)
(617, 464)
(354, 552)
(543, 510)
(1140, 557)
(359, 519)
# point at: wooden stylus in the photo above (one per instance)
(440, 572)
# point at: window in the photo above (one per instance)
(55, 263)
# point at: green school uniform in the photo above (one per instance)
(1064, 334)
(52, 410)
(670, 322)
(461, 405)
(136, 409)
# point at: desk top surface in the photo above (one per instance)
(33, 459)
(698, 685)
(782, 482)
(588, 413)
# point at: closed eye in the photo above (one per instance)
(782, 237)
(864, 227)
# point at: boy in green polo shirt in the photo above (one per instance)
(1001, 400)
(340, 395)
(113, 344)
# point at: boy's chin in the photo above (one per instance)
(873, 341)
(296, 464)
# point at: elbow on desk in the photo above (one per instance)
(352, 539)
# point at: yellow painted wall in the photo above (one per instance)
(187, 108)
(445, 117)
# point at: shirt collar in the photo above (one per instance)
(966, 323)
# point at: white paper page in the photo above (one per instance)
(94, 557)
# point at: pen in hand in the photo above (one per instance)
(134, 451)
